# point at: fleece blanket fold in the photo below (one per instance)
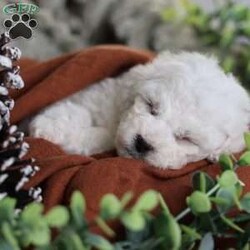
(61, 173)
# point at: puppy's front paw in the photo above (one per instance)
(43, 127)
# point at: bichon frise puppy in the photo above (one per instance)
(179, 108)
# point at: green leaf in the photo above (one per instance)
(78, 207)
(246, 29)
(32, 212)
(247, 140)
(65, 242)
(7, 209)
(187, 242)
(245, 202)
(228, 195)
(33, 227)
(110, 206)
(244, 239)
(231, 224)
(228, 63)
(239, 189)
(134, 237)
(206, 223)
(69, 240)
(147, 201)
(239, 11)
(228, 178)
(168, 229)
(57, 216)
(228, 34)
(133, 220)
(191, 232)
(199, 202)
(9, 236)
(75, 241)
(50, 247)
(4, 245)
(98, 242)
(219, 200)
(246, 247)
(226, 162)
(245, 159)
(40, 235)
(202, 182)
(78, 202)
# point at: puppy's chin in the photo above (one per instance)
(124, 152)
(163, 164)
(151, 159)
(127, 152)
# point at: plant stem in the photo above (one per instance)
(104, 226)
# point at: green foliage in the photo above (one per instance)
(226, 162)
(133, 220)
(110, 207)
(167, 229)
(228, 178)
(245, 202)
(199, 202)
(147, 201)
(58, 217)
(225, 31)
(202, 181)
(210, 206)
(245, 159)
(247, 140)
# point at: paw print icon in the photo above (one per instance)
(20, 26)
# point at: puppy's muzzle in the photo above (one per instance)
(141, 146)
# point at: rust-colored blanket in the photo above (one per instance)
(62, 173)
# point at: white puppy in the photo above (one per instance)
(175, 110)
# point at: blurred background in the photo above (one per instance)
(214, 26)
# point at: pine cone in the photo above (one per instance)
(14, 172)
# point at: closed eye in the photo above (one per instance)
(152, 107)
(185, 138)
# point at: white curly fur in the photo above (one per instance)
(183, 105)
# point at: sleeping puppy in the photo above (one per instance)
(179, 108)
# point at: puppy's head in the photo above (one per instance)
(153, 126)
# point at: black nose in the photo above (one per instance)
(141, 145)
